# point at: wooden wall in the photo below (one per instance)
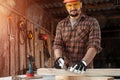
(24, 16)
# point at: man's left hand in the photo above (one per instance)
(79, 67)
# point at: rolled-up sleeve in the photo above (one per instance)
(95, 36)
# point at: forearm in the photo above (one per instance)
(57, 53)
(89, 56)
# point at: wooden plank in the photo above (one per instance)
(22, 46)
(17, 59)
(22, 58)
(103, 72)
(42, 52)
(12, 40)
(58, 72)
(37, 50)
(89, 72)
(82, 78)
(52, 77)
(4, 46)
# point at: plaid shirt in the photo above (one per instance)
(75, 41)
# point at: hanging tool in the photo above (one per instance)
(30, 37)
(42, 36)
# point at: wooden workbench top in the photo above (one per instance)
(103, 72)
(89, 72)
(82, 78)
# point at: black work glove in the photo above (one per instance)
(79, 67)
(59, 63)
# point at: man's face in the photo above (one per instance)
(73, 8)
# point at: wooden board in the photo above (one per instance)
(103, 72)
(22, 77)
(82, 78)
(89, 72)
(57, 72)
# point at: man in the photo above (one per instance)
(77, 39)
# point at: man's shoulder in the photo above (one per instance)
(63, 20)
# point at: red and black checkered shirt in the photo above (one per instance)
(75, 41)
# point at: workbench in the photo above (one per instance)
(90, 74)
(61, 74)
(23, 77)
(53, 77)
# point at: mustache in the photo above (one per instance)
(73, 10)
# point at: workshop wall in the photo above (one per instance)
(22, 22)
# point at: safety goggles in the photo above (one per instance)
(71, 5)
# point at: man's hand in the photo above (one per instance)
(79, 67)
(59, 63)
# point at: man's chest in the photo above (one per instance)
(77, 33)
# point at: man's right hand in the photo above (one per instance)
(59, 63)
(79, 67)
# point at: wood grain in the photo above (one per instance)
(62, 74)
(82, 78)
(58, 72)
(89, 72)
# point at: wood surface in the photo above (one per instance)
(88, 73)
(57, 72)
(103, 72)
(82, 78)
(62, 74)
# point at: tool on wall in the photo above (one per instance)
(44, 38)
(24, 34)
(22, 31)
(30, 71)
(30, 37)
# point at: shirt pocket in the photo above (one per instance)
(82, 34)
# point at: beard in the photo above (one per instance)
(74, 13)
